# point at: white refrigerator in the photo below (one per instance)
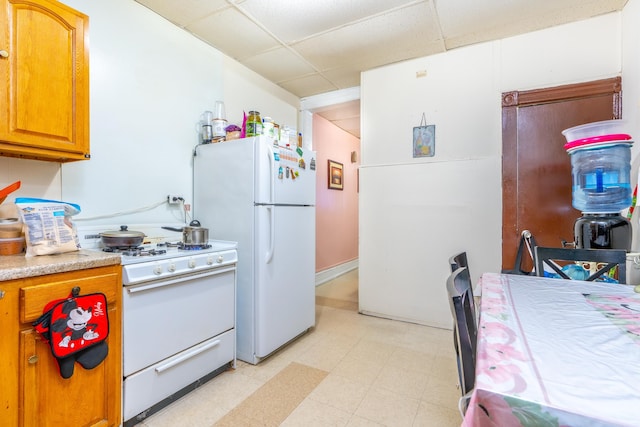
(263, 197)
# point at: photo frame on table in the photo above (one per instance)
(336, 175)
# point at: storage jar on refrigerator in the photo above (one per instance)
(263, 197)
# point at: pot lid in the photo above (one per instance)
(123, 232)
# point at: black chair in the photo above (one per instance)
(465, 329)
(606, 259)
(459, 260)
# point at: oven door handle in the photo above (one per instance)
(187, 355)
(132, 289)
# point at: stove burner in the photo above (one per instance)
(121, 249)
(184, 247)
(193, 247)
(135, 251)
(142, 252)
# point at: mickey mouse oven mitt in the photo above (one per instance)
(76, 329)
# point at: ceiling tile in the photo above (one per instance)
(333, 41)
(279, 65)
(185, 11)
(345, 110)
(351, 125)
(343, 77)
(297, 20)
(308, 85)
(404, 33)
(234, 34)
(465, 23)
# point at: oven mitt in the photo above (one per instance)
(76, 329)
(88, 359)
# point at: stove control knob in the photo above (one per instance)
(171, 268)
(220, 259)
(192, 263)
(209, 261)
(157, 270)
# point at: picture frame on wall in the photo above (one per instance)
(336, 175)
(424, 139)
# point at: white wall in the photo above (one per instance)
(150, 82)
(415, 213)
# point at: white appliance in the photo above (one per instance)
(263, 196)
(178, 316)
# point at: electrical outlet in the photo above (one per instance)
(174, 200)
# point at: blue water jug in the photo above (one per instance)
(601, 177)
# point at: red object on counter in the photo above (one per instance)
(8, 190)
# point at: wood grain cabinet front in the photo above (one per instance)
(35, 392)
(44, 81)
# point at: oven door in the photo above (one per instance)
(162, 318)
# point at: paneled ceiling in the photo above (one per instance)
(311, 47)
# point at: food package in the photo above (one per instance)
(48, 226)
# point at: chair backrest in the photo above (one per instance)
(459, 260)
(465, 329)
(605, 258)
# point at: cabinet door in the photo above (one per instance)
(87, 398)
(44, 81)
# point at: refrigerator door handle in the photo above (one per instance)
(272, 173)
(272, 237)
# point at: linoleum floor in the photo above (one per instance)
(349, 370)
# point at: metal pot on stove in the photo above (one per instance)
(193, 234)
(123, 238)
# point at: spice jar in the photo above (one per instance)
(254, 124)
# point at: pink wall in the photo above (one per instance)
(336, 210)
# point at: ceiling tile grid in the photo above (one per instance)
(311, 47)
(294, 21)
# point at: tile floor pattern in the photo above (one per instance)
(379, 372)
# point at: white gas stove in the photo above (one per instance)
(162, 254)
(178, 315)
(165, 260)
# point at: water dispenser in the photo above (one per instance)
(601, 164)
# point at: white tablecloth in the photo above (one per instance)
(556, 352)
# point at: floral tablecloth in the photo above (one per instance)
(555, 352)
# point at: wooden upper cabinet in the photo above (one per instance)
(44, 81)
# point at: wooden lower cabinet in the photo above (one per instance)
(33, 392)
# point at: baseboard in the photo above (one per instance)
(333, 272)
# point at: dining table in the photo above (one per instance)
(555, 352)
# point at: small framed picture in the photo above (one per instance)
(336, 175)
(424, 141)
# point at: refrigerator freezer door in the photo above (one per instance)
(285, 268)
(284, 175)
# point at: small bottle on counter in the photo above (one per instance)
(254, 124)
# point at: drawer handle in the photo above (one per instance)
(33, 359)
(4, 54)
(188, 355)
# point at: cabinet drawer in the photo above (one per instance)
(157, 382)
(39, 291)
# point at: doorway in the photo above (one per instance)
(536, 170)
